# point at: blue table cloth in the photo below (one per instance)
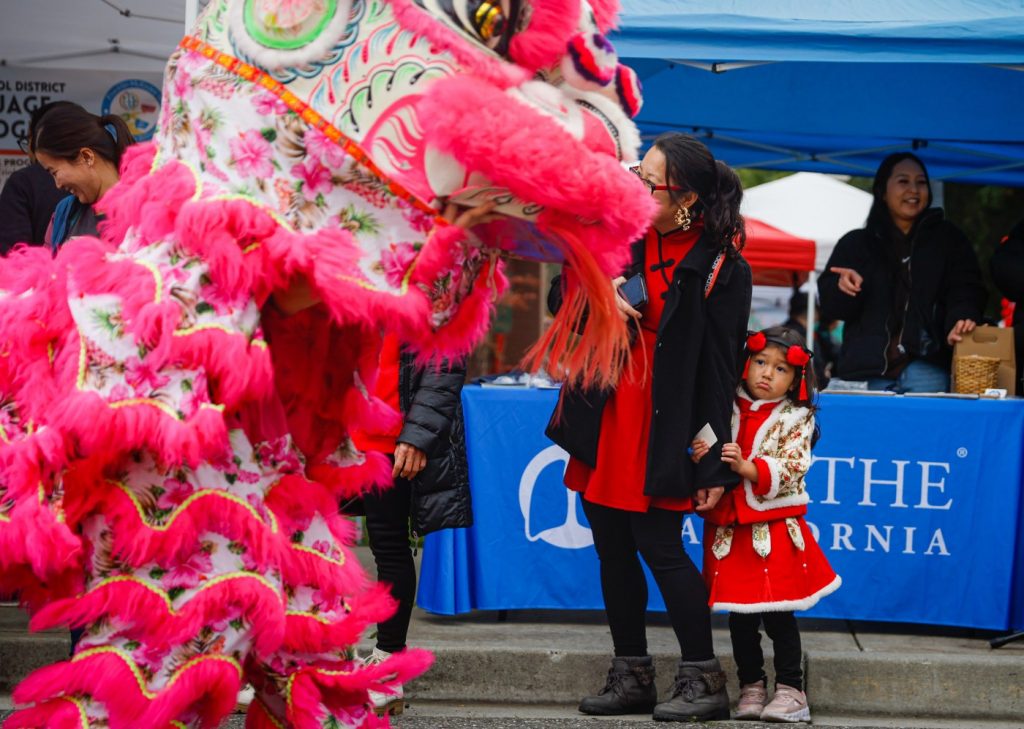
(916, 501)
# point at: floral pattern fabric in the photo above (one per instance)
(269, 155)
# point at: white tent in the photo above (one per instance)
(809, 205)
(115, 35)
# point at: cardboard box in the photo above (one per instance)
(992, 342)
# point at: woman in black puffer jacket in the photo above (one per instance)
(431, 489)
(907, 285)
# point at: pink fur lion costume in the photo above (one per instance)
(174, 446)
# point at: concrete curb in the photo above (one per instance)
(985, 687)
(21, 653)
(923, 684)
(903, 685)
(554, 658)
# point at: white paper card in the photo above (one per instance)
(707, 434)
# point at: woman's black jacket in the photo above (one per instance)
(430, 401)
(697, 365)
(945, 286)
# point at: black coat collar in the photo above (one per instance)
(698, 259)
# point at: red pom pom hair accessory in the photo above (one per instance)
(756, 341)
(799, 357)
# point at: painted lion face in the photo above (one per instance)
(517, 102)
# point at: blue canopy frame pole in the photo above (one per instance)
(830, 87)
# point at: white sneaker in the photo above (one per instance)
(385, 703)
(245, 697)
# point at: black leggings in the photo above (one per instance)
(387, 525)
(746, 646)
(657, 536)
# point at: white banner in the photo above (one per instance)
(133, 96)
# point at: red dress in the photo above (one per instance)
(618, 481)
(761, 561)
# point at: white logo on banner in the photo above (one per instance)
(568, 535)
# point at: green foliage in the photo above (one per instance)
(752, 177)
(985, 213)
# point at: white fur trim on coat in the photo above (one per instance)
(782, 605)
(791, 415)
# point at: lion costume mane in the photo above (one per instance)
(174, 446)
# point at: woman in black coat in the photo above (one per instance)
(907, 285)
(628, 445)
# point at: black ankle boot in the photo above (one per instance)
(698, 694)
(629, 689)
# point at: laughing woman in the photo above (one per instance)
(907, 285)
(83, 153)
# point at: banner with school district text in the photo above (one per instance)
(133, 96)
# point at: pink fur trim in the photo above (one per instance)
(26, 463)
(259, 717)
(60, 713)
(145, 199)
(629, 90)
(488, 131)
(210, 686)
(308, 634)
(606, 14)
(210, 511)
(482, 63)
(473, 318)
(357, 479)
(326, 259)
(313, 689)
(294, 501)
(145, 610)
(39, 556)
(99, 428)
(302, 566)
(221, 231)
(543, 42)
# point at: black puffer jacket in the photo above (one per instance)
(945, 286)
(430, 399)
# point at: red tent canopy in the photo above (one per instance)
(776, 257)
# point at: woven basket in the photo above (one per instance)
(974, 373)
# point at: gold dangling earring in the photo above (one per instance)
(683, 217)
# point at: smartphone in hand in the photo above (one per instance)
(634, 291)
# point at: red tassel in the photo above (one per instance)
(803, 384)
(746, 368)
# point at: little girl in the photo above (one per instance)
(760, 560)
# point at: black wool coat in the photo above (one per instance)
(430, 400)
(945, 286)
(697, 364)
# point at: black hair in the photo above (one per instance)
(798, 304)
(63, 131)
(39, 112)
(690, 165)
(785, 337)
(879, 217)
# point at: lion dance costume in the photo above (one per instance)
(174, 446)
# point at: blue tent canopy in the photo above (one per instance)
(834, 87)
